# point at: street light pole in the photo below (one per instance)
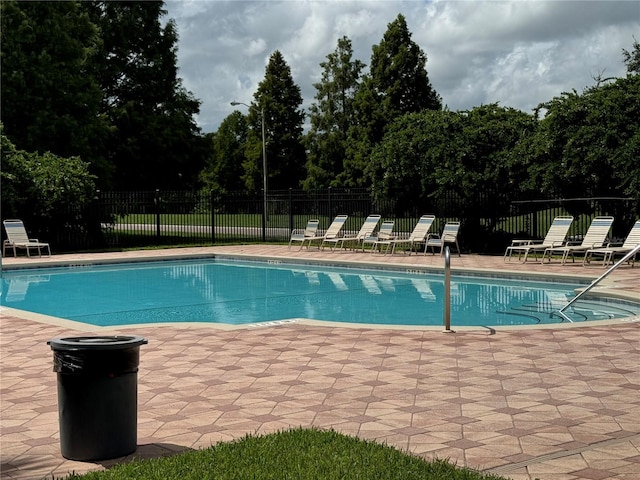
(264, 172)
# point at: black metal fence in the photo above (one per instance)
(117, 220)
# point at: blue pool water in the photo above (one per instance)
(241, 292)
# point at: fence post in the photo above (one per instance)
(290, 210)
(213, 216)
(264, 218)
(329, 204)
(156, 201)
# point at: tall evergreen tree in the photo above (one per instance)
(155, 142)
(280, 100)
(332, 116)
(399, 75)
(397, 84)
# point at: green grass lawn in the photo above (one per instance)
(296, 454)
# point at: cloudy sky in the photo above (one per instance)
(517, 53)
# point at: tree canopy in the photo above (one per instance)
(91, 90)
(224, 171)
(397, 84)
(99, 80)
(50, 99)
(154, 141)
(46, 191)
(277, 102)
(332, 116)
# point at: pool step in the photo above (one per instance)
(541, 313)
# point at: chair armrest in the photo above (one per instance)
(558, 244)
(351, 236)
(385, 236)
(515, 243)
(614, 244)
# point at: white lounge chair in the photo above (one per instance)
(368, 228)
(609, 252)
(449, 235)
(595, 237)
(334, 231)
(555, 238)
(17, 238)
(418, 236)
(301, 235)
(381, 237)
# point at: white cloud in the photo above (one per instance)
(517, 53)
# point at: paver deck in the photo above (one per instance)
(551, 403)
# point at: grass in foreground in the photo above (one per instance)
(300, 454)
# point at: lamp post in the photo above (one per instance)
(264, 172)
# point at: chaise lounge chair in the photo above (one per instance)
(449, 235)
(381, 237)
(418, 236)
(610, 251)
(595, 237)
(17, 238)
(367, 230)
(334, 231)
(555, 238)
(301, 235)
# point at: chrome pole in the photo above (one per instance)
(447, 291)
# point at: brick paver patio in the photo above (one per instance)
(551, 403)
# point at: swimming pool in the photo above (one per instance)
(251, 292)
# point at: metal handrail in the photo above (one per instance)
(447, 291)
(598, 280)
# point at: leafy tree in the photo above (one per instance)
(332, 116)
(278, 98)
(583, 141)
(50, 99)
(155, 142)
(487, 177)
(587, 145)
(223, 173)
(402, 165)
(47, 191)
(427, 156)
(397, 84)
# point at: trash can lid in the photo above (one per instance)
(114, 342)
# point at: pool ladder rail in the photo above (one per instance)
(447, 291)
(596, 281)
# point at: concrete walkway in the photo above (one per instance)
(551, 403)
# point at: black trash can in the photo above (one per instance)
(97, 395)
